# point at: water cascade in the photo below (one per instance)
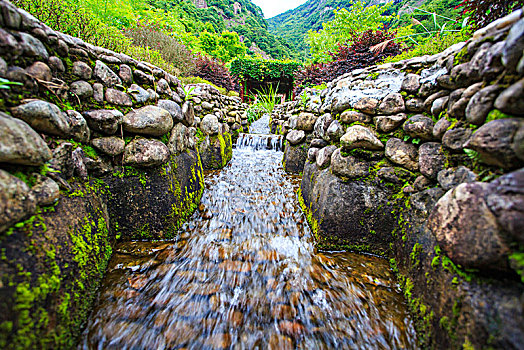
(243, 273)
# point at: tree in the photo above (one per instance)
(344, 27)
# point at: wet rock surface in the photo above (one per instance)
(244, 273)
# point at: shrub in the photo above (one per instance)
(71, 18)
(367, 48)
(483, 12)
(214, 71)
(173, 52)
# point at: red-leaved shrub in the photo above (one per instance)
(483, 12)
(367, 48)
(214, 71)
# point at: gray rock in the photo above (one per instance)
(206, 105)
(173, 108)
(411, 83)
(105, 121)
(8, 44)
(143, 78)
(348, 167)
(162, 87)
(11, 17)
(111, 145)
(306, 121)
(106, 75)
(393, 103)
(82, 70)
(335, 131)
(440, 128)
(98, 92)
(358, 136)
(419, 126)
(82, 89)
(506, 201)
(33, 47)
(148, 120)
(446, 82)
(514, 46)
(98, 167)
(387, 123)
(118, 97)
(125, 74)
(455, 139)
(79, 129)
(449, 178)
(139, 94)
(312, 154)
(20, 144)
(495, 142)
(210, 125)
(294, 158)
(145, 153)
(402, 153)
(319, 143)
(422, 183)
(44, 117)
(323, 158)
(481, 104)
(511, 100)
(350, 116)
(16, 200)
(40, 71)
(428, 103)
(415, 105)
(321, 125)
(295, 137)
(390, 175)
(62, 159)
(180, 139)
(367, 105)
(45, 191)
(153, 96)
(439, 105)
(189, 114)
(3, 67)
(431, 159)
(458, 109)
(466, 230)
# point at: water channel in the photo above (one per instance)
(243, 273)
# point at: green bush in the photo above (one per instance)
(169, 48)
(431, 46)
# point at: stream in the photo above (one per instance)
(244, 273)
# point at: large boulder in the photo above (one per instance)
(431, 159)
(511, 100)
(294, 137)
(210, 125)
(419, 126)
(295, 158)
(19, 144)
(148, 120)
(467, 230)
(106, 75)
(392, 104)
(145, 153)
(105, 121)
(387, 123)
(358, 136)
(112, 146)
(402, 153)
(322, 124)
(306, 121)
(216, 151)
(173, 108)
(44, 117)
(498, 144)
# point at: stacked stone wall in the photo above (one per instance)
(421, 161)
(95, 147)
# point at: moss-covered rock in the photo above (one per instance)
(153, 203)
(50, 267)
(216, 151)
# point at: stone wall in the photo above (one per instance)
(421, 161)
(95, 147)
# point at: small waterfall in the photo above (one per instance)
(259, 142)
(261, 126)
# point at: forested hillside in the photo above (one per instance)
(294, 25)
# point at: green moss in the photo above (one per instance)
(495, 114)
(415, 253)
(516, 261)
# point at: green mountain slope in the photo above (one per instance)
(293, 25)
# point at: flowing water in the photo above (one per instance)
(244, 274)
